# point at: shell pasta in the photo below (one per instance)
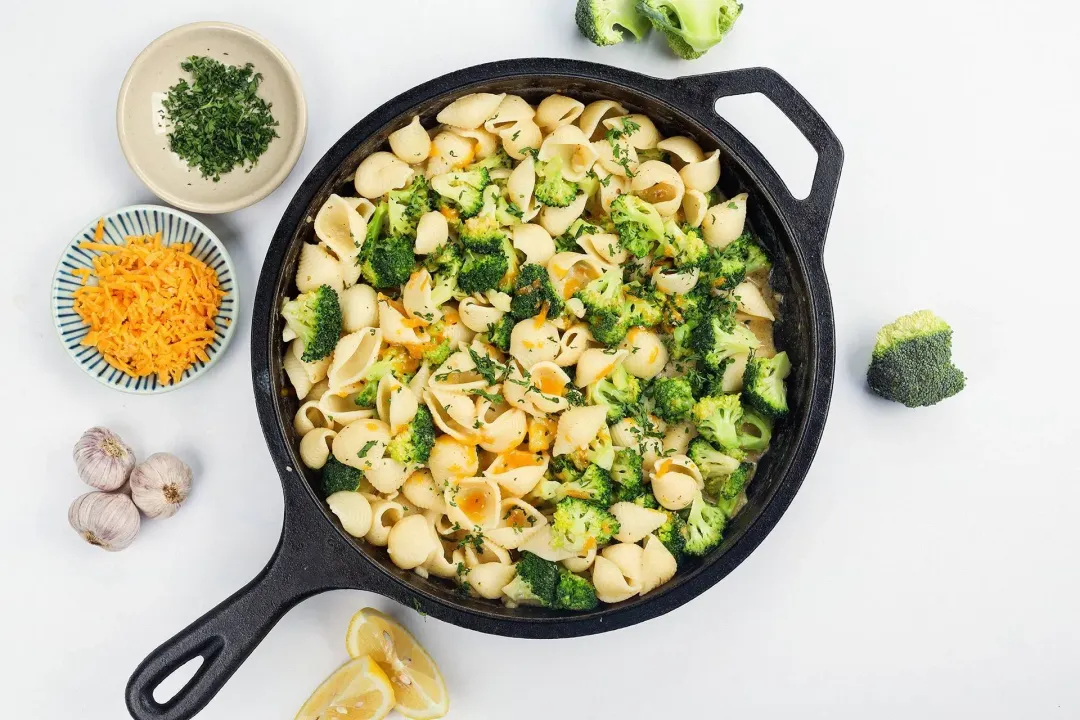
(532, 347)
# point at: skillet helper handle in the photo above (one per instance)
(225, 636)
(810, 216)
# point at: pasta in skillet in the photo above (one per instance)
(533, 354)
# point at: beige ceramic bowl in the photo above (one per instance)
(144, 134)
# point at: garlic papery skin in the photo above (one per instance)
(109, 521)
(102, 459)
(160, 484)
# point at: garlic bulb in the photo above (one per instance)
(159, 484)
(102, 459)
(109, 521)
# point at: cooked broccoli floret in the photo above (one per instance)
(685, 247)
(627, 474)
(755, 431)
(577, 524)
(720, 338)
(671, 534)
(912, 361)
(535, 582)
(763, 385)
(508, 213)
(717, 419)
(437, 351)
(593, 485)
(563, 469)
(551, 188)
(638, 224)
(463, 189)
(498, 334)
(568, 241)
(315, 317)
(600, 451)
(644, 307)
(407, 205)
(750, 252)
(574, 592)
(597, 20)
(392, 359)
(704, 528)
(532, 290)
(387, 261)
(483, 230)
(618, 391)
(711, 462)
(727, 487)
(482, 271)
(723, 269)
(646, 500)
(495, 161)
(606, 308)
(646, 154)
(337, 476)
(672, 398)
(376, 222)
(691, 26)
(412, 446)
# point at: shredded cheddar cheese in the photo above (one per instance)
(152, 309)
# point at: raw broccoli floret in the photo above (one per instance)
(637, 223)
(727, 487)
(671, 534)
(685, 247)
(618, 391)
(498, 333)
(536, 581)
(387, 261)
(337, 476)
(495, 161)
(412, 446)
(464, 189)
(763, 385)
(315, 317)
(578, 524)
(551, 188)
(574, 592)
(482, 271)
(594, 485)
(406, 206)
(597, 20)
(720, 338)
(691, 26)
(627, 475)
(532, 290)
(672, 398)
(704, 528)
(755, 431)
(912, 361)
(717, 419)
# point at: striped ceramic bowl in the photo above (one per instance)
(175, 227)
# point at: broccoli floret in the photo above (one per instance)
(568, 241)
(577, 524)
(691, 26)
(912, 361)
(507, 213)
(574, 592)
(643, 306)
(717, 419)
(532, 290)
(606, 309)
(721, 338)
(392, 359)
(495, 161)
(563, 469)
(755, 431)
(704, 528)
(763, 385)
(727, 487)
(750, 252)
(711, 462)
(437, 351)
(387, 261)
(627, 474)
(481, 271)
(315, 317)
(646, 500)
(551, 188)
(723, 269)
(376, 222)
(412, 446)
(671, 534)
(686, 248)
(637, 223)
(609, 327)
(463, 189)
(646, 154)
(594, 485)
(337, 476)
(536, 581)
(618, 391)
(597, 20)
(672, 398)
(407, 205)
(498, 333)
(483, 231)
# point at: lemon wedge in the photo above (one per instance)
(358, 690)
(418, 685)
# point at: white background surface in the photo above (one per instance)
(928, 568)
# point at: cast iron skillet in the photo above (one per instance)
(315, 555)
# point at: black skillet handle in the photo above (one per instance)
(809, 217)
(226, 635)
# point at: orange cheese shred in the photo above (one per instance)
(152, 309)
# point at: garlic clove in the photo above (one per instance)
(102, 459)
(108, 521)
(160, 484)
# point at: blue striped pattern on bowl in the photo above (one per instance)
(175, 227)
